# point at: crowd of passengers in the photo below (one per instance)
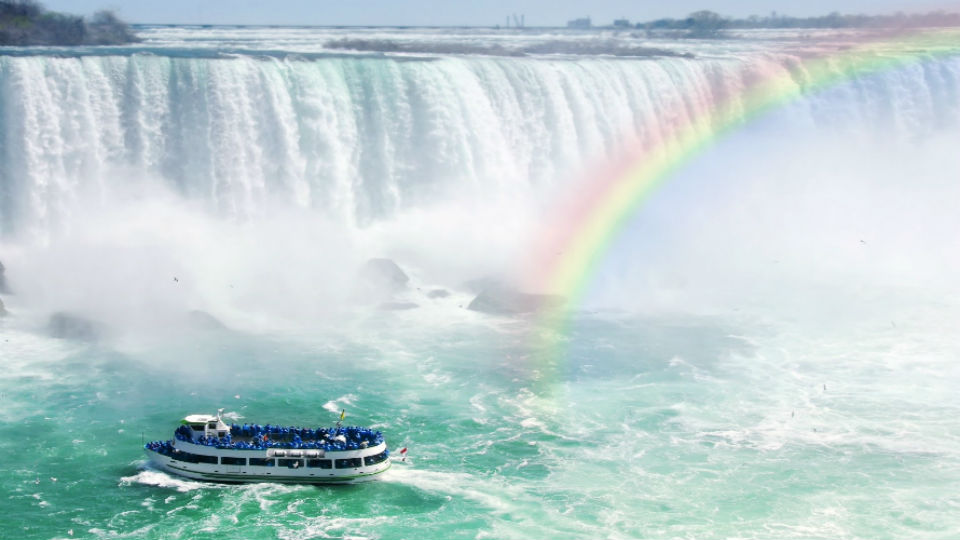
(256, 437)
(161, 447)
(166, 448)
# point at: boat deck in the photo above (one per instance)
(256, 437)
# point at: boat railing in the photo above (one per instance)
(256, 437)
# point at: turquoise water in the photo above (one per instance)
(655, 427)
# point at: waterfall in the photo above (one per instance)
(263, 181)
(360, 139)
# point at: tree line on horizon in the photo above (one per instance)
(707, 23)
(27, 22)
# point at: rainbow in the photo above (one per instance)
(583, 231)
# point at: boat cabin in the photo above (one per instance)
(205, 425)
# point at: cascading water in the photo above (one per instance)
(789, 374)
(361, 139)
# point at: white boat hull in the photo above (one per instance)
(276, 473)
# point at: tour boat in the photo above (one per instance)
(206, 448)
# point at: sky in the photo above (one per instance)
(459, 12)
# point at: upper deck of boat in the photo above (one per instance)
(257, 437)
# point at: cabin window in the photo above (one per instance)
(320, 463)
(260, 462)
(373, 460)
(183, 456)
(233, 461)
(290, 463)
(197, 427)
(349, 463)
(193, 458)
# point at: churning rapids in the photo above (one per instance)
(767, 347)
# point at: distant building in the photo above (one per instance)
(621, 23)
(580, 23)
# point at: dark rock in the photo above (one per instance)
(397, 306)
(68, 326)
(438, 293)
(503, 300)
(482, 284)
(384, 274)
(3, 280)
(201, 320)
(380, 281)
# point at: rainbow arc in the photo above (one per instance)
(583, 232)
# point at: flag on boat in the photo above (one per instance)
(343, 412)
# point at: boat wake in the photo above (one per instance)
(149, 476)
(493, 495)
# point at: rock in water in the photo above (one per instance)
(380, 280)
(3, 310)
(3, 280)
(484, 283)
(68, 326)
(503, 300)
(384, 274)
(438, 293)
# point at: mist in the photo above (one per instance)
(795, 224)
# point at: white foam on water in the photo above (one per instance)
(27, 354)
(151, 477)
(533, 423)
(353, 528)
(340, 403)
(496, 495)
